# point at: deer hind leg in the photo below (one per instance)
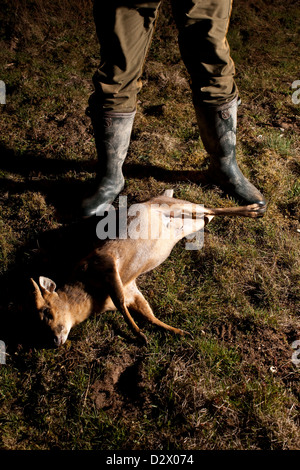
(140, 306)
(178, 207)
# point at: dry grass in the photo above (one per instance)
(233, 386)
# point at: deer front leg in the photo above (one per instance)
(116, 291)
(101, 271)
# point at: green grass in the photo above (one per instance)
(233, 384)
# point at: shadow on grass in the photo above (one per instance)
(52, 253)
(49, 176)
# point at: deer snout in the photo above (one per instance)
(59, 340)
(60, 335)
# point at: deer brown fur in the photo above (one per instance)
(106, 279)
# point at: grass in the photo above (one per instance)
(233, 385)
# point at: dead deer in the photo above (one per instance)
(105, 280)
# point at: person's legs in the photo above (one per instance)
(202, 27)
(124, 30)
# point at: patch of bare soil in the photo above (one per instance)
(121, 385)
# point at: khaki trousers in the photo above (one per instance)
(124, 29)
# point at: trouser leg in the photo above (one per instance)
(202, 26)
(124, 30)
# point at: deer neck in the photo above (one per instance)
(79, 301)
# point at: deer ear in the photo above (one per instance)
(47, 284)
(39, 300)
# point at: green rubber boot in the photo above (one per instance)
(217, 127)
(112, 135)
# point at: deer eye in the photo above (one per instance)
(46, 312)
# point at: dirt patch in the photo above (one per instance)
(121, 384)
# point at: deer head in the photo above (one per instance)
(53, 310)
